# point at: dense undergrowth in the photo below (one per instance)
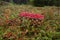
(13, 27)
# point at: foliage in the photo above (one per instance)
(13, 27)
(36, 2)
(46, 2)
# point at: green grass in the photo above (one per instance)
(48, 30)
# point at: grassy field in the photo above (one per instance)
(48, 29)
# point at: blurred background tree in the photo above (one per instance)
(35, 2)
(46, 3)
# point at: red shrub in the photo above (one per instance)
(31, 15)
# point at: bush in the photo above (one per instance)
(16, 1)
(46, 3)
(6, 0)
(20, 1)
(38, 3)
(56, 2)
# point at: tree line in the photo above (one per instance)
(36, 2)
